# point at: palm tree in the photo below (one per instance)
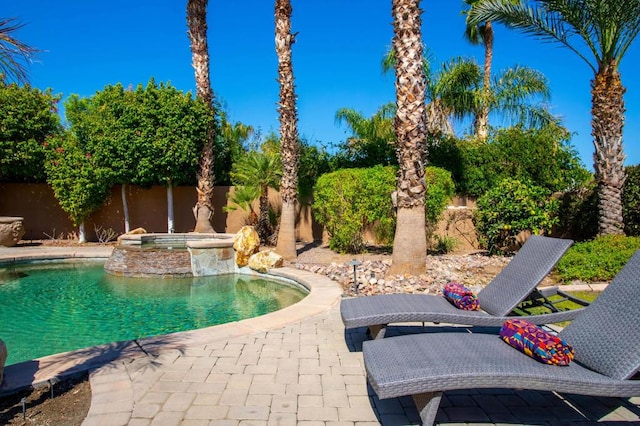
(457, 91)
(481, 34)
(264, 171)
(13, 52)
(442, 88)
(410, 241)
(289, 149)
(242, 198)
(373, 139)
(197, 30)
(606, 28)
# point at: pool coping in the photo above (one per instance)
(324, 294)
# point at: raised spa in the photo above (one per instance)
(173, 255)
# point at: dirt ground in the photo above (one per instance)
(72, 398)
(69, 405)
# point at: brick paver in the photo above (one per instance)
(308, 372)
(324, 384)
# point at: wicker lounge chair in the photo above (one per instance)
(515, 283)
(605, 339)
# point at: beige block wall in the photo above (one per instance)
(44, 219)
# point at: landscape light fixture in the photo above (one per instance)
(355, 263)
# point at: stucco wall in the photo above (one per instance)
(44, 219)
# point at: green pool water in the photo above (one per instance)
(48, 308)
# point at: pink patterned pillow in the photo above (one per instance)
(536, 342)
(461, 297)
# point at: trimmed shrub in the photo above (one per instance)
(348, 201)
(631, 201)
(597, 260)
(510, 208)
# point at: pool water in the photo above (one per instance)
(48, 308)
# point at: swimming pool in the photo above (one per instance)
(53, 307)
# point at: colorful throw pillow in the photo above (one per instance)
(536, 342)
(461, 297)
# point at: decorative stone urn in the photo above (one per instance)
(11, 230)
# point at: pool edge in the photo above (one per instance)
(323, 295)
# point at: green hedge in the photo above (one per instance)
(597, 260)
(348, 201)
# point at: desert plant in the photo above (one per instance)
(443, 244)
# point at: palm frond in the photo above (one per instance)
(15, 55)
(561, 21)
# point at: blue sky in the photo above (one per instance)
(89, 44)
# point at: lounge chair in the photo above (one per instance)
(515, 283)
(604, 337)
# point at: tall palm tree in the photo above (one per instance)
(600, 33)
(197, 30)
(14, 54)
(456, 91)
(410, 240)
(289, 149)
(442, 87)
(481, 34)
(264, 171)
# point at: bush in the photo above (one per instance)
(597, 260)
(443, 244)
(510, 208)
(543, 157)
(348, 201)
(440, 189)
(631, 201)
(578, 213)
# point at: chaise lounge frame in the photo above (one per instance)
(514, 284)
(605, 339)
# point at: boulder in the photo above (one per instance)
(133, 232)
(245, 243)
(265, 260)
(3, 359)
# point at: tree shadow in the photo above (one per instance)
(309, 246)
(49, 370)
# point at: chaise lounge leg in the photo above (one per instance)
(377, 331)
(427, 405)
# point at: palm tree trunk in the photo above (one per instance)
(410, 241)
(607, 110)
(197, 25)
(263, 223)
(170, 216)
(125, 207)
(82, 234)
(286, 246)
(482, 119)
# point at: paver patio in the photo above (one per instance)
(297, 367)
